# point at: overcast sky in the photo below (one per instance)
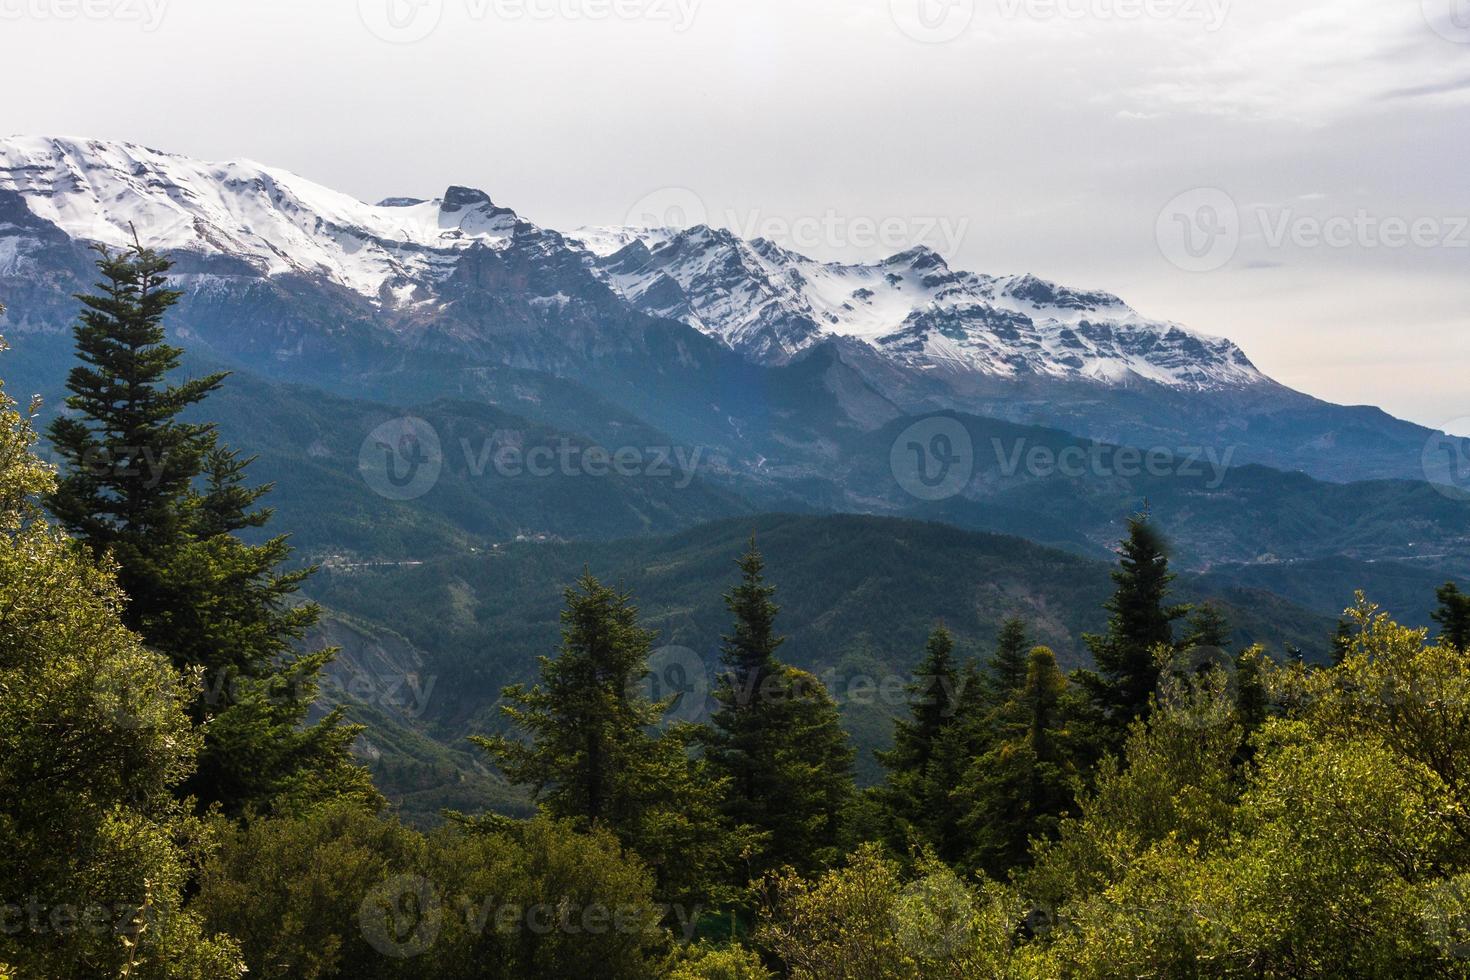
(1293, 174)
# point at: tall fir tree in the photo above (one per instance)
(129, 464)
(775, 736)
(1141, 621)
(931, 751)
(744, 737)
(1009, 663)
(166, 501)
(1021, 787)
(943, 817)
(1453, 617)
(933, 698)
(972, 701)
(585, 743)
(814, 767)
(587, 732)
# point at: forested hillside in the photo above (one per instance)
(859, 595)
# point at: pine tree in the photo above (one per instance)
(1009, 663)
(589, 731)
(813, 770)
(933, 698)
(129, 463)
(744, 723)
(585, 745)
(776, 736)
(1453, 617)
(930, 749)
(969, 735)
(972, 700)
(1140, 623)
(166, 502)
(1021, 787)
(943, 812)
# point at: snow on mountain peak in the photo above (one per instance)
(773, 303)
(765, 300)
(280, 223)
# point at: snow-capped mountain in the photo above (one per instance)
(768, 303)
(775, 357)
(774, 303)
(273, 220)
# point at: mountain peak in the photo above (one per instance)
(919, 257)
(1044, 293)
(456, 198)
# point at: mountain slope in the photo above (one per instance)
(805, 455)
(858, 596)
(774, 303)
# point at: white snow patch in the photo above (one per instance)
(279, 222)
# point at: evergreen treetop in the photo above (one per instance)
(1207, 627)
(129, 463)
(934, 703)
(776, 738)
(1140, 623)
(586, 723)
(750, 650)
(1008, 665)
(586, 746)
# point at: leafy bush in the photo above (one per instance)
(341, 893)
